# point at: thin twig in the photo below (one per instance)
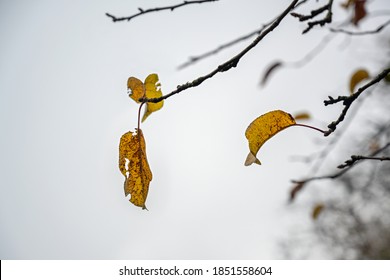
(142, 11)
(313, 14)
(348, 100)
(355, 158)
(195, 59)
(377, 30)
(313, 53)
(347, 167)
(327, 150)
(231, 63)
(309, 126)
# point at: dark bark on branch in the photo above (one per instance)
(142, 11)
(313, 14)
(348, 100)
(375, 31)
(231, 63)
(355, 158)
(348, 165)
(195, 59)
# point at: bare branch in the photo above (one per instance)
(355, 158)
(313, 14)
(377, 30)
(231, 63)
(298, 63)
(348, 100)
(195, 59)
(348, 166)
(312, 53)
(142, 11)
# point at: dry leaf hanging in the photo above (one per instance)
(134, 166)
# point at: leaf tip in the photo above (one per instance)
(250, 159)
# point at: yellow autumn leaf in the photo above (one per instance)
(262, 129)
(137, 88)
(356, 78)
(134, 166)
(125, 151)
(317, 210)
(302, 116)
(152, 90)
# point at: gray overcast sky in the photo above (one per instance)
(64, 105)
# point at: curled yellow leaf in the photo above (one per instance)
(356, 78)
(137, 89)
(135, 167)
(262, 129)
(152, 90)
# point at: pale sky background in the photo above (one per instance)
(64, 105)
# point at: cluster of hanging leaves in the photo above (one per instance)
(133, 162)
(359, 9)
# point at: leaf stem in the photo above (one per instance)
(312, 127)
(139, 114)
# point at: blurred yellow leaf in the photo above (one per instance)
(302, 116)
(262, 129)
(356, 78)
(317, 210)
(137, 88)
(152, 87)
(134, 166)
